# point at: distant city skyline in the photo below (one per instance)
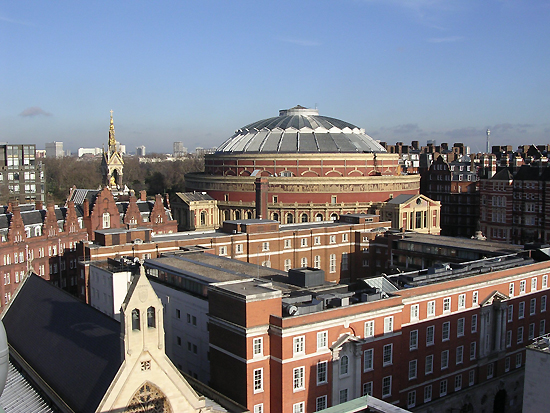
(196, 71)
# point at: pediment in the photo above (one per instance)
(343, 339)
(494, 296)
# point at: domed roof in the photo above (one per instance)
(300, 130)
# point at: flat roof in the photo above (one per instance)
(467, 243)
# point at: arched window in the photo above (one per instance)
(333, 217)
(151, 317)
(275, 216)
(319, 217)
(344, 361)
(248, 215)
(289, 218)
(203, 218)
(237, 215)
(305, 218)
(135, 319)
(226, 216)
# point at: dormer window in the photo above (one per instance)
(135, 319)
(151, 322)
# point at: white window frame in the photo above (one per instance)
(460, 326)
(411, 399)
(413, 369)
(475, 298)
(444, 359)
(388, 324)
(474, 323)
(387, 355)
(258, 347)
(368, 359)
(428, 393)
(446, 305)
(322, 340)
(369, 328)
(459, 359)
(415, 310)
(258, 375)
(299, 345)
(413, 340)
(321, 403)
(320, 366)
(298, 407)
(446, 331)
(432, 341)
(430, 309)
(298, 376)
(386, 384)
(429, 364)
(462, 301)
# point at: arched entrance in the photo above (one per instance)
(499, 404)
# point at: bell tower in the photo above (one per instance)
(112, 163)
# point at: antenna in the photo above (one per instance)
(488, 141)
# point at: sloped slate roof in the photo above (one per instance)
(32, 217)
(527, 173)
(72, 346)
(400, 199)
(194, 196)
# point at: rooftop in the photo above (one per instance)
(541, 344)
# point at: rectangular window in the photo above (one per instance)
(258, 346)
(510, 313)
(298, 381)
(430, 334)
(322, 340)
(320, 403)
(511, 290)
(442, 388)
(368, 359)
(533, 306)
(345, 237)
(431, 308)
(462, 301)
(519, 360)
(414, 312)
(258, 380)
(387, 354)
(303, 242)
(531, 335)
(304, 262)
(367, 388)
(429, 365)
(460, 327)
(521, 311)
(543, 304)
(287, 243)
(475, 298)
(265, 246)
(520, 335)
(332, 239)
(447, 304)
(369, 329)
(239, 248)
(444, 359)
(522, 285)
(471, 377)
(223, 251)
(428, 393)
(412, 369)
(413, 340)
(458, 382)
(317, 240)
(446, 331)
(411, 399)
(545, 281)
(459, 354)
(388, 324)
(542, 327)
(509, 338)
(298, 407)
(343, 396)
(299, 345)
(386, 386)
(332, 263)
(507, 364)
(321, 372)
(533, 284)
(473, 350)
(474, 323)
(259, 408)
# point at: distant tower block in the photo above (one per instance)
(488, 141)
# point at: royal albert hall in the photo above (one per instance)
(313, 168)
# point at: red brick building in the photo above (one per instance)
(453, 343)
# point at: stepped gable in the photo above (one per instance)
(16, 231)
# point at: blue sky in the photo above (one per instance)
(194, 71)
